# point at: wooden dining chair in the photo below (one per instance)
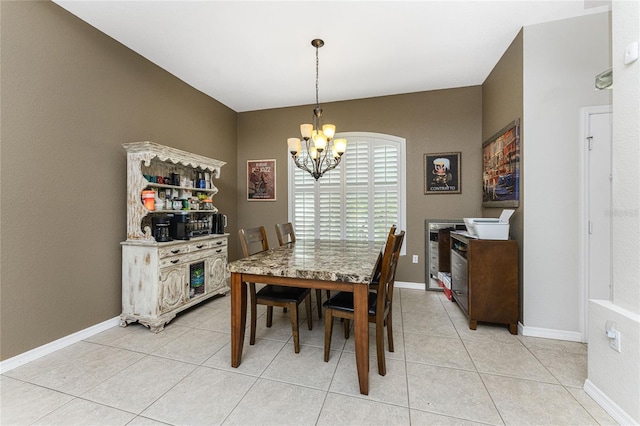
(373, 285)
(286, 235)
(380, 302)
(273, 295)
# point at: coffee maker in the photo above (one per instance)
(219, 222)
(179, 225)
(161, 228)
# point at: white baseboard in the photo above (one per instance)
(549, 333)
(413, 286)
(33, 354)
(613, 409)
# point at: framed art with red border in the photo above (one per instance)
(261, 180)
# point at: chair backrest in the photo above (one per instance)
(285, 233)
(377, 269)
(253, 240)
(388, 272)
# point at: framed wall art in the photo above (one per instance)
(442, 173)
(261, 180)
(501, 168)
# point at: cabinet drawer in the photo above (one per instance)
(218, 250)
(218, 242)
(198, 245)
(173, 250)
(459, 266)
(191, 247)
(187, 257)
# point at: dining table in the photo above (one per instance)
(335, 265)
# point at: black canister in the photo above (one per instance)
(219, 222)
(179, 229)
(161, 229)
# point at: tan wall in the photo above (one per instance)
(502, 102)
(431, 122)
(70, 97)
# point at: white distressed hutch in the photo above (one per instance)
(157, 277)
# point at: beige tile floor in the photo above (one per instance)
(441, 373)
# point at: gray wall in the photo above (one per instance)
(556, 86)
(536, 81)
(431, 122)
(70, 97)
(501, 104)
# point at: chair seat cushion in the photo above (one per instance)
(343, 301)
(282, 293)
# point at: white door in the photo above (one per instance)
(598, 186)
(595, 240)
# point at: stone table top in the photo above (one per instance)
(327, 260)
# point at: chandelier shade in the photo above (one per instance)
(322, 153)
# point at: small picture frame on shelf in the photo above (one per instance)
(261, 180)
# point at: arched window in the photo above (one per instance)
(360, 199)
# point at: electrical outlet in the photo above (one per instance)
(631, 53)
(614, 341)
(613, 334)
(415, 258)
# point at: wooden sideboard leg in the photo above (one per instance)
(361, 334)
(473, 324)
(513, 328)
(238, 317)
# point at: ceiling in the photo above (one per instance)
(253, 55)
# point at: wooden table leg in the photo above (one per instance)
(238, 317)
(361, 332)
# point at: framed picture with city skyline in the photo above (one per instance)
(501, 167)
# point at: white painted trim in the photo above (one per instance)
(583, 257)
(412, 286)
(33, 354)
(608, 304)
(549, 333)
(613, 409)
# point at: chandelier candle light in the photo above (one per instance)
(322, 154)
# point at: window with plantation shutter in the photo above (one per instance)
(358, 200)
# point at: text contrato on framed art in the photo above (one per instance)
(261, 180)
(442, 173)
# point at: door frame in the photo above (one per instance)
(583, 242)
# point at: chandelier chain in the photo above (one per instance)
(317, 72)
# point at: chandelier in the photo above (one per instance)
(321, 153)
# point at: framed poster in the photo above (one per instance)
(442, 173)
(501, 168)
(261, 180)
